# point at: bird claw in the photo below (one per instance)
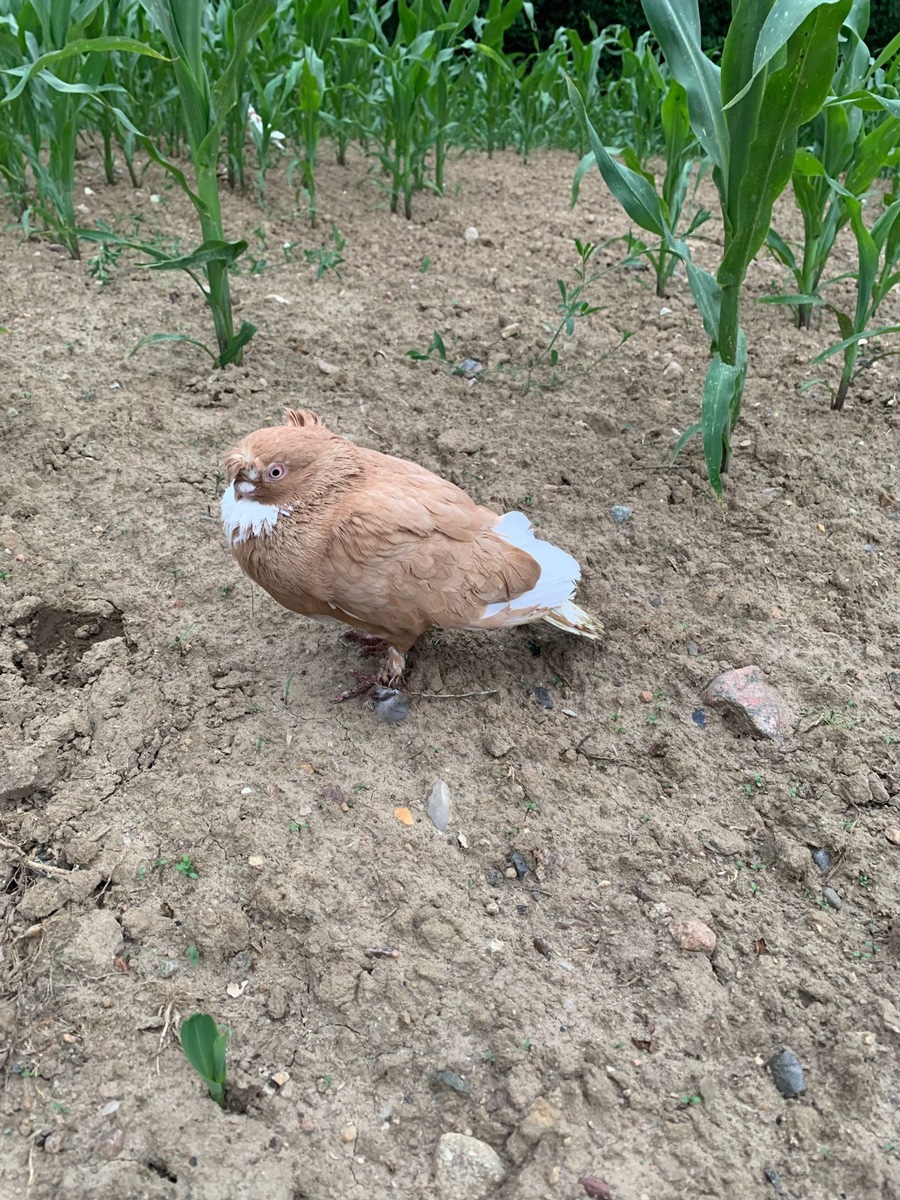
(364, 683)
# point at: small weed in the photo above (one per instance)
(160, 862)
(179, 642)
(62, 1109)
(489, 1057)
(869, 950)
(531, 806)
(326, 259)
(893, 1148)
(616, 718)
(689, 1100)
(104, 262)
(864, 880)
(645, 817)
(527, 1045)
(193, 955)
(186, 867)
(436, 347)
(426, 263)
(204, 1044)
(754, 785)
(298, 826)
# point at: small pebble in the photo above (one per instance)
(280, 1078)
(348, 1134)
(594, 1188)
(453, 1080)
(893, 835)
(518, 863)
(822, 859)
(787, 1074)
(256, 862)
(656, 601)
(698, 716)
(111, 1143)
(620, 513)
(645, 697)
(470, 367)
(747, 695)
(542, 696)
(439, 806)
(693, 935)
(834, 900)
(167, 968)
(471, 234)
(54, 1142)
(693, 648)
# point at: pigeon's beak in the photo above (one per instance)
(245, 483)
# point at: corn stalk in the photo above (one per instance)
(777, 65)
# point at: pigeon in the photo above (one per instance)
(349, 536)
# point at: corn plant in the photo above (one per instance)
(401, 131)
(206, 107)
(878, 272)
(71, 37)
(494, 76)
(839, 143)
(204, 1044)
(777, 64)
(681, 152)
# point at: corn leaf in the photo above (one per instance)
(72, 50)
(719, 393)
(793, 95)
(207, 252)
(634, 193)
(676, 26)
(153, 339)
(855, 339)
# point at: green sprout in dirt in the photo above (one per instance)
(326, 259)
(204, 1044)
(435, 347)
(186, 867)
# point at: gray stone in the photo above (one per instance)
(439, 806)
(111, 1143)
(834, 900)
(787, 1074)
(620, 513)
(822, 859)
(466, 1168)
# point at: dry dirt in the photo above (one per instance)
(156, 707)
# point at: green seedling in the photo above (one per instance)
(204, 1044)
(186, 867)
(436, 347)
(326, 259)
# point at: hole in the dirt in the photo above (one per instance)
(160, 1169)
(59, 638)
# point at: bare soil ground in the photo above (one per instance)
(156, 707)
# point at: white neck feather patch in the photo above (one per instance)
(247, 518)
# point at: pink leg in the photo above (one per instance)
(390, 676)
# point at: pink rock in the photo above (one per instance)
(756, 703)
(693, 935)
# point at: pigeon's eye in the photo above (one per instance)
(275, 472)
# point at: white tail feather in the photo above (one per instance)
(555, 587)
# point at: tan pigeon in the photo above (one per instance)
(344, 534)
